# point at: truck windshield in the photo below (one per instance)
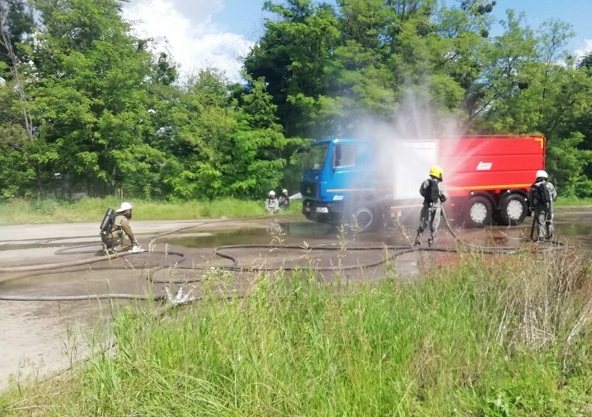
(316, 156)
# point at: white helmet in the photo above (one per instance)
(541, 174)
(284, 191)
(272, 193)
(124, 206)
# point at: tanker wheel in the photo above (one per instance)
(513, 209)
(363, 218)
(478, 212)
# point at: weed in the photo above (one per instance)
(93, 209)
(510, 336)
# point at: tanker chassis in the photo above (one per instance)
(369, 182)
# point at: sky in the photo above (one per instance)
(198, 34)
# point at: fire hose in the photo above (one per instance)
(236, 267)
(180, 298)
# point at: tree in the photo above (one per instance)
(359, 81)
(16, 23)
(257, 160)
(224, 140)
(292, 57)
(86, 104)
(16, 126)
(91, 97)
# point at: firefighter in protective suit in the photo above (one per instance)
(434, 194)
(541, 197)
(271, 203)
(120, 227)
(284, 200)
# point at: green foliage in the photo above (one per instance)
(226, 144)
(87, 100)
(16, 23)
(44, 207)
(108, 118)
(566, 165)
(292, 57)
(38, 211)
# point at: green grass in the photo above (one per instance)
(93, 209)
(573, 201)
(508, 337)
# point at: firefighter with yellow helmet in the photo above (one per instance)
(434, 194)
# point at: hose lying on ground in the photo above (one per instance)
(170, 301)
(222, 252)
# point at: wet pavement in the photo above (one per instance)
(42, 337)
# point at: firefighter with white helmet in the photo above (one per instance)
(434, 194)
(284, 199)
(540, 198)
(115, 228)
(271, 203)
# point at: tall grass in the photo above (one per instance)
(489, 337)
(93, 209)
(573, 201)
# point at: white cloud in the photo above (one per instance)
(185, 30)
(583, 49)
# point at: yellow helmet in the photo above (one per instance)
(436, 171)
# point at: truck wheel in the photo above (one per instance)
(513, 209)
(477, 212)
(364, 218)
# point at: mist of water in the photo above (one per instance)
(408, 145)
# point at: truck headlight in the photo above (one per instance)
(322, 210)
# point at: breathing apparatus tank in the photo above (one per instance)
(107, 221)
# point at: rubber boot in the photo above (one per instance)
(108, 250)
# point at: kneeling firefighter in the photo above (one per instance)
(434, 194)
(115, 225)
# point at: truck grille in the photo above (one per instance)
(308, 189)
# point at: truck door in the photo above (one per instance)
(351, 166)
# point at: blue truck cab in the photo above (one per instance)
(341, 182)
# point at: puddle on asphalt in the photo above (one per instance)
(307, 229)
(574, 231)
(273, 233)
(276, 232)
(214, 238)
